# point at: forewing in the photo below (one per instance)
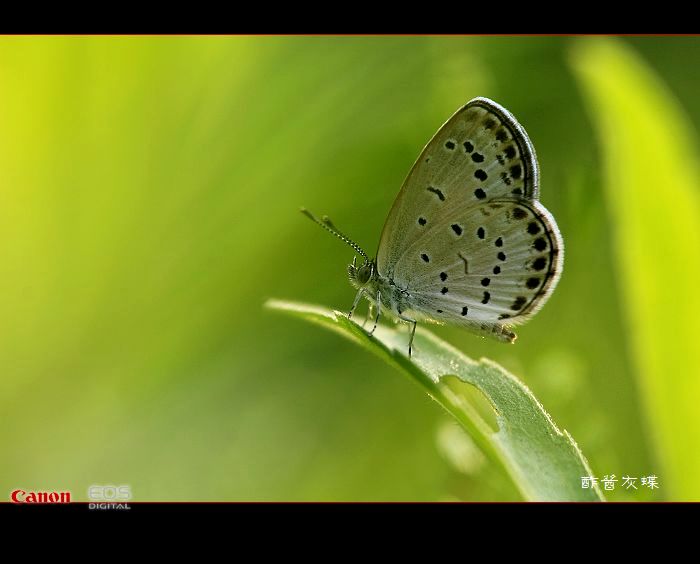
(480, 154)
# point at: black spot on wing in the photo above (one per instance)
(437, 192)
(519, 213)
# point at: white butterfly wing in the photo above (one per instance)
(479, 154)
(468, 214)
(494, 262)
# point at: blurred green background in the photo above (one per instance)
(149, 196)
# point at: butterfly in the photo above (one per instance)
(467, 241)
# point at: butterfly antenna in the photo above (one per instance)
(328, 226)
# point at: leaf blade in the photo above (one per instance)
(544, 463)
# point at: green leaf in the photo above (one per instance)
(652, 186)
(509, 425)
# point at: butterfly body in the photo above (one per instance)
(378, 289)
(467, 241)
(397, 299)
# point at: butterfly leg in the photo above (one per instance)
(370, 311)
(379, 311)
(413, 331)
(354, 304)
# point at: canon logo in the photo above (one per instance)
(20, 496)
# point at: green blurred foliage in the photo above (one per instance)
(657, 244)
(149, 195)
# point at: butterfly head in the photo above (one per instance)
(361, 275)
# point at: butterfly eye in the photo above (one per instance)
(363, 275)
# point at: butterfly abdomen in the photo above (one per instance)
(501, 332)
